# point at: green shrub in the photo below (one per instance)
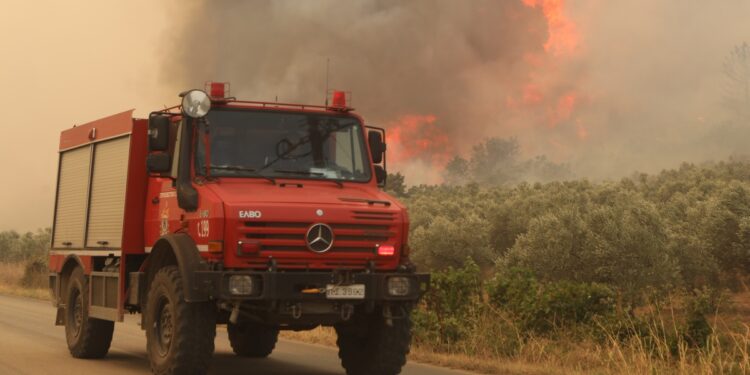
(447, 243)
(455, 317)
(699, 305)
(544, 307)
(449, 304)
(616, 239)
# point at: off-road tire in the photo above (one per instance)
(369, 346)
(179, 334)
(86, 337)
(252, 339)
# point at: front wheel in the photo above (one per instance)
(371, 346)
(179, 334)
(87, 337)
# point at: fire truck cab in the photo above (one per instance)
(261, 216)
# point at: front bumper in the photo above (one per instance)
(297, 286)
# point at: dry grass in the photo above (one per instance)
(725, 353)
(321, 335)
(327, 336)
(11, 275)
(660, 351)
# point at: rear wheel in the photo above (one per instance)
(371, 346)
(179, 334)
(87, 337)
(252, 339)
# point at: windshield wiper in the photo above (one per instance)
(252, 171)
(309, 173)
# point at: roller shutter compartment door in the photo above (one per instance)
(72, 189)
(108, 185)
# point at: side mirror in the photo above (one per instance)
(158, 162)
(158, 132)
(380, 175)
(377, 146)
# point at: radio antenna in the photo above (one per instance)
(328, 62)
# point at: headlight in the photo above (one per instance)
(399, 286)
(196, 103)
(241, 285)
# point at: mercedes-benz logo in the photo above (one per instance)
(319, 238)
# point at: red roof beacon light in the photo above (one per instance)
(217, 90)
(339, 100)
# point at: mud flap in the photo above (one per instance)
(60, 318)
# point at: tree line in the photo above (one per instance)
(686, 227)
(21, 247)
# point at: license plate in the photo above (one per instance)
(356, 291)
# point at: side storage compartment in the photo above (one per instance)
(72, 198)
(107, 202)
(91, 192)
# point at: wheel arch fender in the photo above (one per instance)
(70, 263)
(180, 250)
(60, 289)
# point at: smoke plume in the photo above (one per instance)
(608, 87)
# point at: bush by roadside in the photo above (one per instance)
(578, 326)
(24, 279)
(35, 273)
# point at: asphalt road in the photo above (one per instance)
(30, 343)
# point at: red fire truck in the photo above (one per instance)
(261, 216)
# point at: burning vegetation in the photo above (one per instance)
(413, 137)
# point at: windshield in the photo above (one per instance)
(244, 143)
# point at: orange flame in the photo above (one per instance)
(563, 36)
(559, 104)
(564, 110)
(417, 137)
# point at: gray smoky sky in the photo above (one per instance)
(634, 85)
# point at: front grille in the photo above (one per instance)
(277, 236)
(279, 224)
(370, 238)
(361, 226)
(363, 234)
(283, 248)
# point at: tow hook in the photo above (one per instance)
(346, 311)
(296, 311)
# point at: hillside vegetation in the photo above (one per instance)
(643, 274)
